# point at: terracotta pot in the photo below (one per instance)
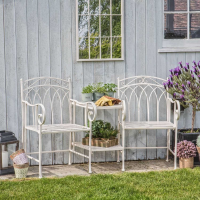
(186, 162)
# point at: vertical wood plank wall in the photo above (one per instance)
(37, 38)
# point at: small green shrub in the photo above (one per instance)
(101, 129)
(99, 87)
(87, 89)
(110, 87)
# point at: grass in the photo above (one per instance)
(179, 184)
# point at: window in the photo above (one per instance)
(181, 25)
(100, 30)
(182, 19)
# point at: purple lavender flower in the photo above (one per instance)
(171, 70)
(192, 75)
(199, 64)
(176, 85)
(194, 63)
(182, 97)
(180, 63)
(183, 86)
(188, 65)
(165, 85)
(199, 76)
(191, 71)
(186, 69)
(174, 95)
(188, 82)
(171, 77)
(183, 92)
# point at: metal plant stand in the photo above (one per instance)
(90, 148)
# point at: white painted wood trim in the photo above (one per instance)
(179, 50)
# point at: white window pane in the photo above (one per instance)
(105, 6)
(116, 6)
(83, 26)
(94, 26)
(116, 47)
(105, 25)
(194, 5)
(83, 48)
(94, 7)
(116, 25)
(83, 7)
(105, 47)
(175, 5)
(175, 26)
(94, 48)
(194, 25)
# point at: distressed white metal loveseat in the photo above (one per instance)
(52, 96)
(147, 107)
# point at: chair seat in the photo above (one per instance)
(149, 125)
(58, 128)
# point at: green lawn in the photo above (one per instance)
(179, 184)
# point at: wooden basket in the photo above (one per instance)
(100, 142)
(186, 162)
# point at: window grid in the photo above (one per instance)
(100, 36)
(188, 12)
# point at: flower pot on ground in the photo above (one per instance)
(21, 170)
(19, 157)
(185, 134)
(87, 93)
(186, 151)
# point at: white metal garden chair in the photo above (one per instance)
(53, 96)
(143, 96)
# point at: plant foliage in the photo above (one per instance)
(88, 89)
(101, 129)
(184, 85)
(99, 87)
(110, 87)
(186, 149)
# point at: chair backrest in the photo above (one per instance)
(53, 93)
(145, 97)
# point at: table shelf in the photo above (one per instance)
(94, 148)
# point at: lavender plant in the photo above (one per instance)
(184, 85)
(186, 149)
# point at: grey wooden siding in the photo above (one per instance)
(37, 38)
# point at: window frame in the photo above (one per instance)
(178, 43)
(122, 33)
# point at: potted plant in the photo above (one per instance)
(184, 85)
(186, 151)
(110, 89)
(99, 90)
(103, 134)
(87, 93)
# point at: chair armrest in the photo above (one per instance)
(123, 110)
(92, 109)
(177, 111)
(40, 116)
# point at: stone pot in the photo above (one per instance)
(98, 95)
(87, 97)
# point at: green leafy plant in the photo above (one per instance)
(184, 85)
(101, 129)
(99, 87)
(87, 89)
(110, 87)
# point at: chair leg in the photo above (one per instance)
(70, 147)
(40, 155)
(123, 151)
(90, 151)
(168, 144)
(175, 151)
